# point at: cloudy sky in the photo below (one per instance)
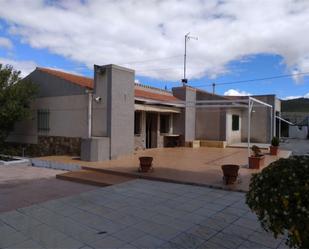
(238, 40)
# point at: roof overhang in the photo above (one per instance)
(154, 108)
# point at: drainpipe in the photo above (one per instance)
(89, 123)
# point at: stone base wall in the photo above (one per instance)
(47, 146)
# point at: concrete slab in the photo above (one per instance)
(161, 226)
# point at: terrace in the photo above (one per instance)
(195, 166)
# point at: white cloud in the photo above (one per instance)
(25, 67)
(5, 43)
(103, 32)
(235, 92)
(297, 97)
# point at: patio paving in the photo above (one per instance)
(22, 186)
(198, 166)
(138, 214)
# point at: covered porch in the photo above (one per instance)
(154, 126)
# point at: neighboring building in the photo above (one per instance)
(111, 115)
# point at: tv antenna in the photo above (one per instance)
(187, 38)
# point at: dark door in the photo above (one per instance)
(151, 126)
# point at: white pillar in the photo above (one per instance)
(89, 113)
(249, 126)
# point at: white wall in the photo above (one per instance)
(67, 118)
(300, 132)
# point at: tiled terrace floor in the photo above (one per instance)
(138, 214)
(200, 166)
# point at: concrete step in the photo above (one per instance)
(92, 177)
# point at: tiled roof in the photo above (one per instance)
(154, 96)
(88, 82)
(73, 78)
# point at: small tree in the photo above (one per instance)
(279, 195)
(15, 98)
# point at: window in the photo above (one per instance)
(137, 123)
(235, 123)
(43, 120)
(164, 123)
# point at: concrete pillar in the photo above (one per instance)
(187, 94)
(112, 114)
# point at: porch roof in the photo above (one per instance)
(154, 108)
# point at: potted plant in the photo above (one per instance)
(145, 163)
(278, 195)
(257, 159)
(230, 173)
(273, 149)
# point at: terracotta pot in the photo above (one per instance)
(230, 173)
(273, 150)
(255, 162)
(145, 163)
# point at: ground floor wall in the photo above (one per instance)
(67, 117)
(210, 124)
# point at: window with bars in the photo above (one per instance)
(43, 120)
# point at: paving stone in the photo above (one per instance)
(10, 237)
(164, 232)
(238, 231)
(50, 238)
(19, 221)
(265, 239)
(203, 232)
(187, 240)
(108, 242)
(226, 217)
(28, 244)
(129, 234)
(148, 242)
(251, 245)
(226, 240)
(247, 223)
(216, 224)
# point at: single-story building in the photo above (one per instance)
(110, 115)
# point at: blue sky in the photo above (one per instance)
(29, 41)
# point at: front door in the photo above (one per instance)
(151, 130)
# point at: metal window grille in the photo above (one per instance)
(43, 120)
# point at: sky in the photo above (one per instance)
(238, 40)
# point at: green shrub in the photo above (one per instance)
(279, 195)
(275, 141)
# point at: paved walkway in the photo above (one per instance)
(22, 186)
(137, 214)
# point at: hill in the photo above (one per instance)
(295, 105)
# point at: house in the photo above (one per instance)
(110, 115)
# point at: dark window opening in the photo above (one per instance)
(235, 123)
(137, 123)
(164, 123)
(43, 120)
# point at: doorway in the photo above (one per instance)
(151, 130)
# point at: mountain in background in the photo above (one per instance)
(295, 105)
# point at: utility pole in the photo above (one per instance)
(213, 88)
(187, 38)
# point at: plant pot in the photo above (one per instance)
(255, 162)
(145, 163)
(273, 150)
(230, 173)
